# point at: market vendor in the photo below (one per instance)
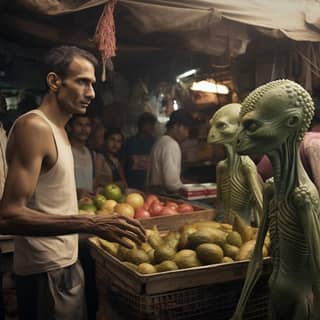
(112, 171)
(39, 203)
(87, 163)
(164, 174)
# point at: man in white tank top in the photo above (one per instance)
(39, 203)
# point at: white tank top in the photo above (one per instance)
(55, 193)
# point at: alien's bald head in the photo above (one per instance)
(293, 96)
(224, 124)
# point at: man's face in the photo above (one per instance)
(114, 143)
(76, 90)
(182, 132)
(148, 129)
(80, 129)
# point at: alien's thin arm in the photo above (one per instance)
(311, 225)
(220, 171)
(255, 188)
(255, 265)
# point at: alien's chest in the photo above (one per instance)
(285, 226)
(234, 190)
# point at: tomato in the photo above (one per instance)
(151, 198)
(185, 207)
(155, 209)
(172, 205)
(146, 206)
(168, 211)
(141, 213)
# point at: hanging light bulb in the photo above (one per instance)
(210, 87)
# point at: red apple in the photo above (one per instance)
(168, 211)
(185, 207)
(141, 213)
(155, 209)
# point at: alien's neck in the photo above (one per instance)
(286, 166)
(233, 158)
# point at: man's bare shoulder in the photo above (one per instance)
(31, 125)
(30, 135)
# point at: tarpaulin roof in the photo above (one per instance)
(296, 19)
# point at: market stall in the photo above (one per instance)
(201, 271)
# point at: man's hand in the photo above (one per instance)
(113, 228)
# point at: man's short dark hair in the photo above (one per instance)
(146, 118)
(179, 117)
(59, 59)
(77, 116)
(112, 131)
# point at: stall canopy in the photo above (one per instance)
(207, 26)
(151, 31)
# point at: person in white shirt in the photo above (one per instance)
(87, 163)
(164, 173)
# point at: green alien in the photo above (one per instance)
(238, 187)
(274, 119)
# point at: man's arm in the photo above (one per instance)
(171, 164)
(26, 153)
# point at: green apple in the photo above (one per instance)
(99, 200)
(122, 199)
(113, 192)
(87, 207)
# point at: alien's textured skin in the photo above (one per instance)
(274, 119)
(238, 188)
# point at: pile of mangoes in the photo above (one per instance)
(195, 244)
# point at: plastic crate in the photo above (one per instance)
(216, 302)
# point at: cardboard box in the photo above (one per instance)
(199, 191)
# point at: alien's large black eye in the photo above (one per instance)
(251, 125)
(221, 125)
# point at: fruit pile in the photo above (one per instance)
(133, 205)
(197, 244)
